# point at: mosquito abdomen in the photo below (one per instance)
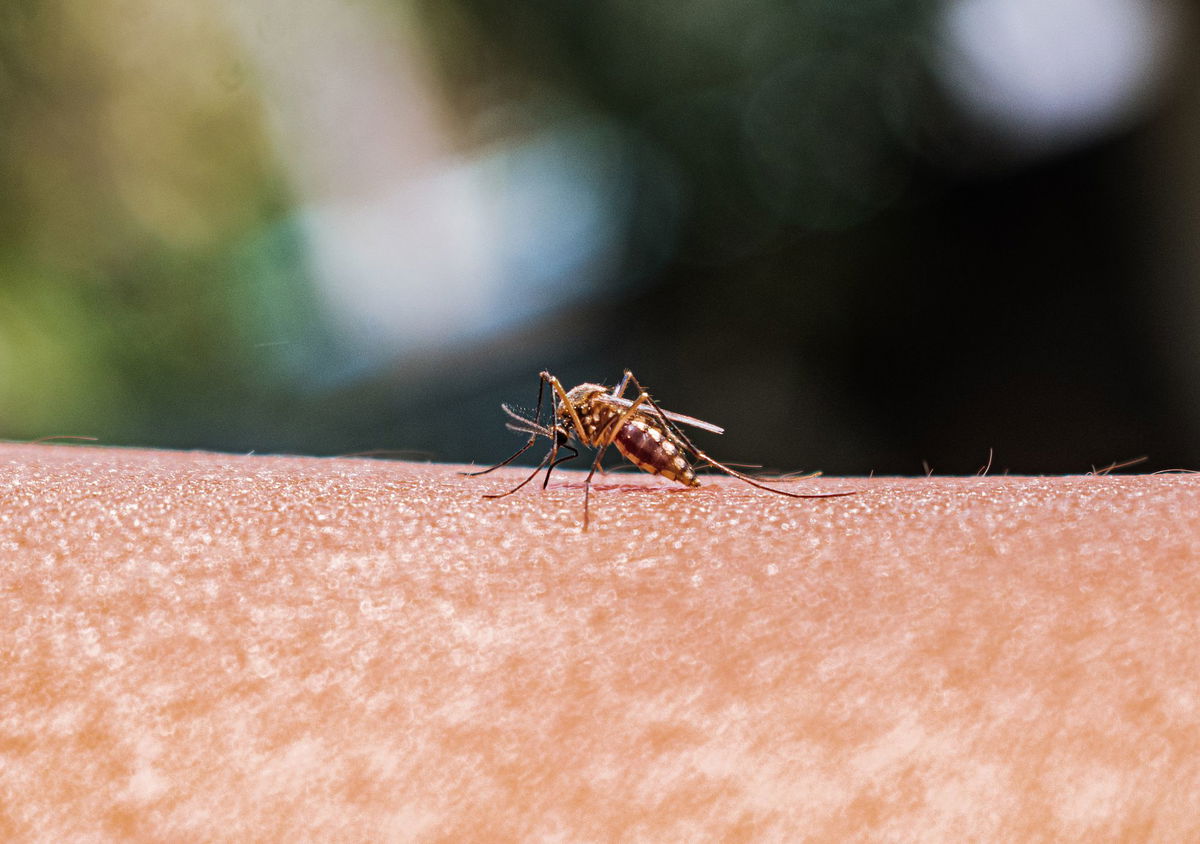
(654, 450)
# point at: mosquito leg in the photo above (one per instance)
(587, 483)
(603, 441)
(619, 390)
(537, 416)
(662, 416)
(606, 437)
(752, 482)
(587, 494)
(587, 487)
(721, 466)
(564, 401)
(658, 411)
(523, 449)
(532, 475)
(614, 427)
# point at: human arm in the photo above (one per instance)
(199, 645)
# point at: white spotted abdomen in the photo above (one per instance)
(654, 450)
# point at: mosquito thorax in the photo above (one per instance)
(592, 415)
(584, 392)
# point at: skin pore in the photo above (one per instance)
(201, 646)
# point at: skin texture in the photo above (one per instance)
(212, 647)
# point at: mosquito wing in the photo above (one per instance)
(618, 401)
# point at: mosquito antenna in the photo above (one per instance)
(523, 425)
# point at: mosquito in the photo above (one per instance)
(596, 417)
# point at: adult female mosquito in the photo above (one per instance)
(597, 417)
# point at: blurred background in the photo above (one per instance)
(885, 236)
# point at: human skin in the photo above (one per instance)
(212, 647)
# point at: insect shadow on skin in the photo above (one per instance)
(646, 435)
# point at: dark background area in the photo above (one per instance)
(333, 228)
